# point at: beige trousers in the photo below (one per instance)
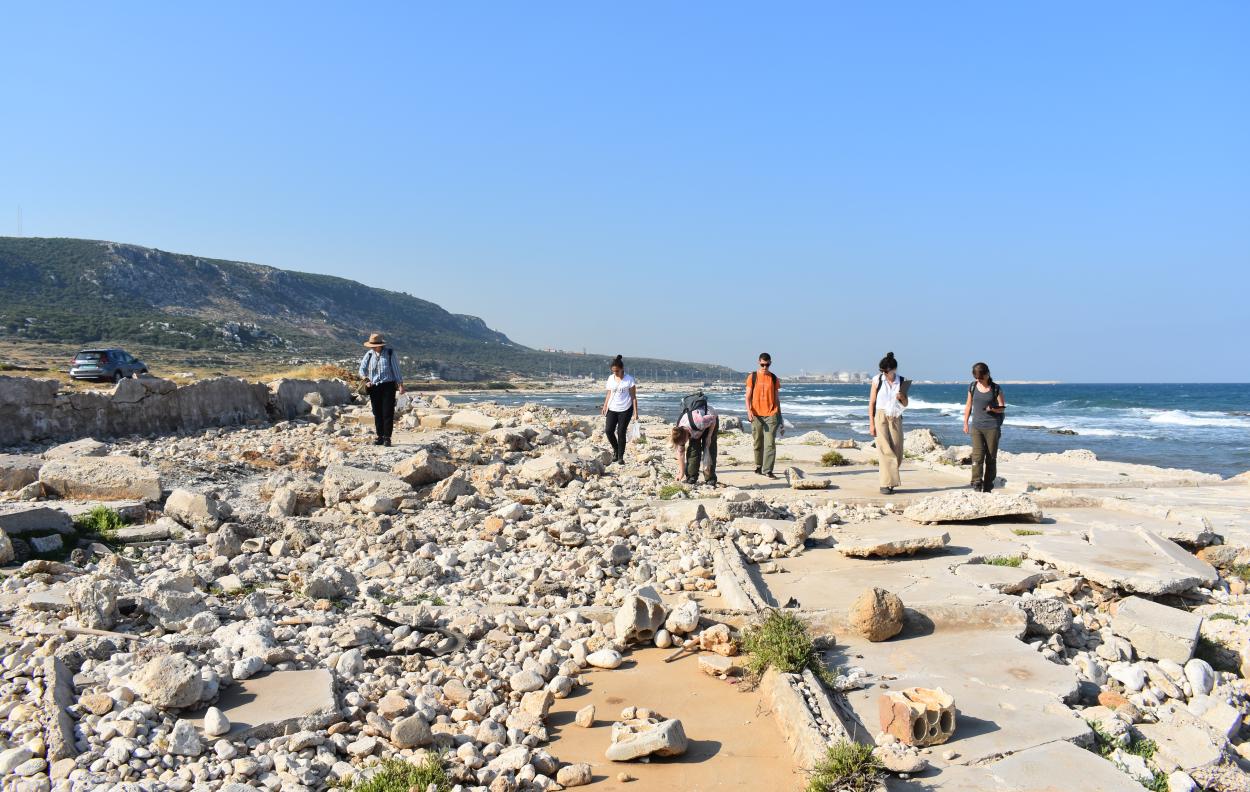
(889, 447)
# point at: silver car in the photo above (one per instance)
(106, 364)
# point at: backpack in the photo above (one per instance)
(751, 381)
(994, 390)
(695, 401)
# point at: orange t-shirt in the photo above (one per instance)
(763, 397)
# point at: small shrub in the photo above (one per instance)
(1221, 617)
(1025, 532)
(670, 491)
(399, 776)
(780, 640)
(1003, 561)
(100, 521)
(1240, 570)
(847, 767)
(834, 459)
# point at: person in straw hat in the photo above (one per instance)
(379, 368)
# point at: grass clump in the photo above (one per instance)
(1003, 561)
(834, 459)
(100, 521)
(1105, 746)
(781, 641)
(847, 767)
(1240, 570)
(397, 775)
(670, 491)
(1221, 617)
(1025, 532)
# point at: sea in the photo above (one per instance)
(1194, 426)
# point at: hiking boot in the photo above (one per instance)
(771, 474)
(884, 490)
(378, 441)
(976, 487)
(758, 472)
(387, 442)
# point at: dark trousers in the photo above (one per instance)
(382, 400)
(701, 449)
(985, 455)
(616, 425)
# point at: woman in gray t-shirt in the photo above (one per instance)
(983, 421)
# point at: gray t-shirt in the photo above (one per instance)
(979, 417)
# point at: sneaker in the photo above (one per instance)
(758, 472)
(889, 490)
(378, 441)
(884, 490)
(976, 487)
(387, 442)
(771, 474)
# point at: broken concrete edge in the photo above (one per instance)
(829, 710)
(794, 719)
(736, 586)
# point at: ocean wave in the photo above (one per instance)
(1213, 419)
(918, 404)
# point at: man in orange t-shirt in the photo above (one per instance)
(764, 413)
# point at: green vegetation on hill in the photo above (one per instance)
(78, 291)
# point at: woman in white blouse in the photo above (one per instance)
(619, 406)
(886, 403)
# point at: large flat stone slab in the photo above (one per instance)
(271, 704)
(1223, 507)
(30, 519)
(472, 421)
(341, 482)
(966, 506)
(1134, 560)
(888, 537)
(1003, 579)
(1060, 765)
(1080, 469)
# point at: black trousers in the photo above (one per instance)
(382, 400)
(616, 426)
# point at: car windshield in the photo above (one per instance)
(91, 357)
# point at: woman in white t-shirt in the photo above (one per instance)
(619, 406)
(886, 402)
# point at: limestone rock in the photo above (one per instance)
(585, 716)
(889, 538)
(574, 775)
(21, 520)
(640, 615)
(605, 658)
(169, 682)
(634, 739)
(1046, 615)
(184, 740)
(877, 615)
(798, 480)
(684, 618)
(411, 732)
(472, 421)
(215, 722)
(85, 447)
(196, 510)
(330, 581)
(965, 505)
(423, 468)
(1134, 560)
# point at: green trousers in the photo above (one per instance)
(764, 439)
(985, 455)
(701, 452)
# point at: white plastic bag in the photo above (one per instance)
(633, 432)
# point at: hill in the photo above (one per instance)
(78, 291)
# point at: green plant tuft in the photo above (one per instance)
(100, 521)
(1240, 570)
(834, 459)
(1221, 617)
(847, 767)
(1025, 532)
(1003, 561)
(781, 640)
(670, 491)
(397, 775)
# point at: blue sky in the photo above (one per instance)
(1061, 189)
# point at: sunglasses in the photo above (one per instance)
(766, 365)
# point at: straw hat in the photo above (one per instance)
(376, 340)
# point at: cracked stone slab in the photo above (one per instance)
(1134, 560)
(965, 506)
(21, 520)
(268, 705)
(889, 537)
(1005, 580)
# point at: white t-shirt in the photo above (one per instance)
(620, 400)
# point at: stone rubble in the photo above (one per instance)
(295, 605)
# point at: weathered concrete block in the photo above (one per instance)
(918, 716)
(640, 615)
(1157, 631)
(423, 468)
(101, 478)
(472, 421)
(20, 520)
(17, 471)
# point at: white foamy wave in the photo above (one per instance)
(917, 404)
(823, 410)
(1182, 418)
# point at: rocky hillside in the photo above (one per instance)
(81, 291)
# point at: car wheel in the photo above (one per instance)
(117, 376)
(143, 373)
